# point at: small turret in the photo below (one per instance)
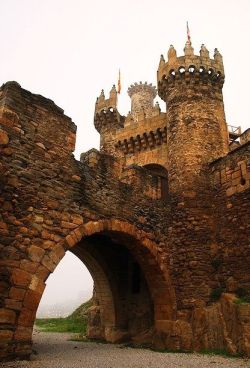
(107, 119)
(102, 103)
(142, 100)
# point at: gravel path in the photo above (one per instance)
(53, 350)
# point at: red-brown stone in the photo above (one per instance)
(7, 316)
(20, 277)
(16, 293)
(4, 139)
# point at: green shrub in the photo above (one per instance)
(243, 300)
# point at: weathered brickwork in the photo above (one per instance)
(160, 216)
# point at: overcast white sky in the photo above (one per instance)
(68, 50)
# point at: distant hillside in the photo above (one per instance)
(81, 311)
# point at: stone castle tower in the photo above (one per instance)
(160, 215)
(182, 141)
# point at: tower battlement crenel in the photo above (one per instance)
(190, 69)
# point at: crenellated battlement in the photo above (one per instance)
(190, 68)
(139, 87)
(106, 113)
(108, 118)
(103, 104)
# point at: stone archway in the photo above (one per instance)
(142, 249)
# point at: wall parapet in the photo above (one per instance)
(232, 172)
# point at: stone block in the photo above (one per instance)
(37, 284)
(230, 191)
(35, 253)
(20, 277)
(70, 240)
(28, 265)
(4, 139)
(17, 293)
(236, 174)
(57, 253)
(6, 335)
(13, 304)
(68, 225)
(26, 317)
(48, 263)
(23, 333)
(42, 272)
(7, 316)
(31, 300)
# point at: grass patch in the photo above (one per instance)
(75, 323)
(223, 353)
(62, 325)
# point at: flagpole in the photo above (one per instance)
(118, 85)
(119, 82)
(188, 34)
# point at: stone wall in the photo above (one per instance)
(231, 180)
(46, 198)
(186, 244)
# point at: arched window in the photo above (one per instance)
(160, 171)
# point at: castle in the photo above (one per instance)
(160, 215)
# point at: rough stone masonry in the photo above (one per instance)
(160, 215)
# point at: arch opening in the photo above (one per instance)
(123, 306)
(132, 287)
(70, 285)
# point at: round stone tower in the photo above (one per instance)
(142, 99)
(197, 134)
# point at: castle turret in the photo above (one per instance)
(142, 99)
(107, 120)
(191, 86)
